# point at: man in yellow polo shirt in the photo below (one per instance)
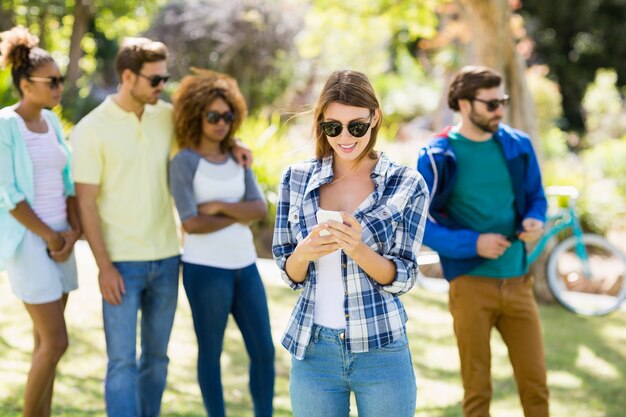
(121, 152)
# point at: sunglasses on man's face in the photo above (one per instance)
(355, 128)
(53, 82)
(155, 80)
(492, 105)
(214, 117)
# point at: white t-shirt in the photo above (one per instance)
(329, 292)
(193, 181)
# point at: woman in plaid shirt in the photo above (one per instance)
(347, 331)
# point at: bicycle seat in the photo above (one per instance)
(562, 190)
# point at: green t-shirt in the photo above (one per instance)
(483, 200)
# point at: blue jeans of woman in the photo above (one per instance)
(213, 294)
(382, 379)
(135, 388)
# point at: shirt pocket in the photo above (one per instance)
(380, 226)
(295, 225)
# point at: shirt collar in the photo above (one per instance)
(380, 170)
(114, 109)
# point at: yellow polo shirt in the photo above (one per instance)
(128, 158)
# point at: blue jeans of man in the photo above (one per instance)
(382, 379)
(134, 388)
(213, 294)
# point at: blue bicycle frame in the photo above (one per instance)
(565, 219)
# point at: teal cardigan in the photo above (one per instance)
(16, 176)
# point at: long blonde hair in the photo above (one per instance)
(351, 88)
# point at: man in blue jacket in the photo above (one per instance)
(487, 201)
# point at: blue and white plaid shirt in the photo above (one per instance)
(392, 217)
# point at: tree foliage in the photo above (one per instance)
(252, 40)
(575, 39)
(365, 34)
(80, 34)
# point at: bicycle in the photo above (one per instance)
(585, 272)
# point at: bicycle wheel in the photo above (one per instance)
(591, 287)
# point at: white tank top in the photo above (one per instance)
(329, 292)
(231, 247)
(48, 159)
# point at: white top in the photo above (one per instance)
(48, 159)
(231, 247)
(329, 292)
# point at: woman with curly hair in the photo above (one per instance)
(38, 212)
(216, 199)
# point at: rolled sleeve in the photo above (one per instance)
(10, 197)
(284, 243)
(406, 275)
(10, 194)
(408, 239)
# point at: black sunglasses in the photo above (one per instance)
(493, 104)
(214, 117)
(355, 128)
(155, 80)
(53, 82)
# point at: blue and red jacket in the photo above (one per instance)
(455, 243)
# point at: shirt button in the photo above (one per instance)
(347, 315)
(344, 266)
(342, 335)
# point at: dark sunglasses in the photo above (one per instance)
(493, 104)
(155, 80)
(355, 128)
(53, 82)
(214, 117)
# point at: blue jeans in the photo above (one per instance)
(382, 379)
(131, 388)
(213, 294)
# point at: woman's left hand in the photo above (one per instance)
(63, 254)
(347, 235)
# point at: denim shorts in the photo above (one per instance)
(36, 278)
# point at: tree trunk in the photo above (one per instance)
(493, 46)
(43, 31)
(82, 17)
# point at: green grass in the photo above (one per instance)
(586, 359)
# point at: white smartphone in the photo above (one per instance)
(325, 215)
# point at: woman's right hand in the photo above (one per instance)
(55, 241)
(315, 246)
(310, 249)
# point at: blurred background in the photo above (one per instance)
(564, 63)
